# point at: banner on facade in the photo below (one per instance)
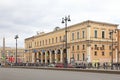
(35, 51)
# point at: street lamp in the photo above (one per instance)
(65, 20)
(16, 37)
(111, 34)
(29, 53)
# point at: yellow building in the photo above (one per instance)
(118, 37)
(8, 55)
(88, 41)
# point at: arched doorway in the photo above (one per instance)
(53, 56)
(58, 55)
(35, 57)
(83, 56)
(39, 56)
(64, 55)
(43, 57)
(48, 57)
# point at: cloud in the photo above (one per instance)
(26, 17)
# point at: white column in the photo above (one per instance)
(41, 58)
(68, 55)
(61, 56)
(88, 53)
(55, 56)
(32, 58)
(89, 44)
(46, 56)
(50, 56)
(37, 57)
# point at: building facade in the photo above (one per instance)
(88, 41)
(118, 37)
(8, 55)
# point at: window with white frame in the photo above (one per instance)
(95, 34)
(72, 48)
(72, 36)
(78, 57)
(78, 35)
(103, 34)
(78, 47)
(83, 34)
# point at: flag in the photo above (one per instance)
(35, 51)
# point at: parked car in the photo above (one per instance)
(51, 65)
(80, 65)
(70, 66)
(59, 65)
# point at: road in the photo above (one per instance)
(38, 74)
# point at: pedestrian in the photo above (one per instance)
(95, 65)
(98, 65)
(104, 65)
(11, 64)
(27, 63)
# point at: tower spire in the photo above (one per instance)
(3, 53)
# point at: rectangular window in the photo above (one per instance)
(35, 44)
(103, 34)
(78, 57)
(72, 48)
(103, 54)
(83, 34)
(43, 42)
(31, 45)
(64, 38)
(95, 47)
(73, 56)
(72, 36)
(110, 35)
(95, 54)
(83, 47)
(77, 47)
(60, 39)
(52, 40)
(78, 35)
(46, 41)
(40, 43)
(95, 33)
(103, 47)
(110, 53)
(83, 57)
(49, 41)
(110, 47)
(56, 39)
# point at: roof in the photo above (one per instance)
(97, 22)
(88, 21)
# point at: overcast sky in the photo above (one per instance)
(26, 17)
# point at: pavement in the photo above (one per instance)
(40, 74)
(92, 70)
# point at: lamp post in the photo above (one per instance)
(16, 37)
(29, 53)
(111, 34)
(65, 20)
